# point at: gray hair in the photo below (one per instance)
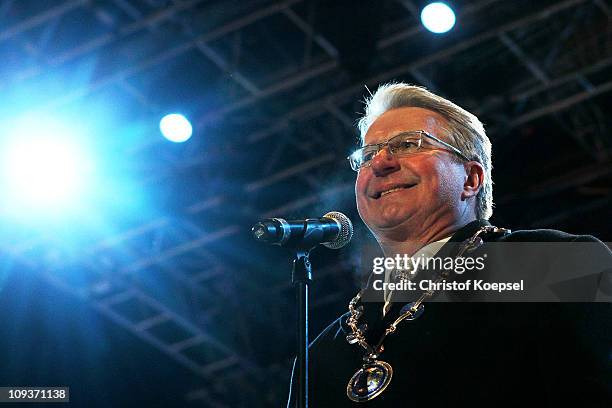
(465, 130)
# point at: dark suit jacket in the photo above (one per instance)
(478, 354)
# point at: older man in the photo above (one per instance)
(424, 186)
(433, 175)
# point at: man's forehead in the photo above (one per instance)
(399, 120)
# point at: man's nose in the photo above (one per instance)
(384, 163)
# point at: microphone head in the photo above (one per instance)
(346, 230)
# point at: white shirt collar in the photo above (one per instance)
(428, 251)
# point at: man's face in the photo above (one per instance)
(427, 184)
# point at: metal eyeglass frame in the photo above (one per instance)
(421, 133)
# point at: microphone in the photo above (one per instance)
(334, 230)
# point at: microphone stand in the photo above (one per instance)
(334, 231)
(301, 277)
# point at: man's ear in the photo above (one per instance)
(474, 179)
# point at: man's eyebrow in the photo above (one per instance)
(397, 132)
(393, 134)
(390, 135)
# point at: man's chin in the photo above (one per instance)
(387, 219)
(388, 224)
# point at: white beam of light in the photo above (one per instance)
(176, 128)
(438, 17)
(42, 166)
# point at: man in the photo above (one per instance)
(410, 200)
(424, 186)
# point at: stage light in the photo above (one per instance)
(176, 128)
(438, 17)
(42, 166)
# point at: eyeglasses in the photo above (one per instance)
(403, 144)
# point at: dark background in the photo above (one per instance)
(156, 295)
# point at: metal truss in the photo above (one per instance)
(116, 293)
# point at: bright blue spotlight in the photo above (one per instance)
(175, 128)
(438, 17)
(42, 166)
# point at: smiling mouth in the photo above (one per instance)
(392, 190)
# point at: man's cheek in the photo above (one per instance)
(361, 207)
(360, 185)
(360, 194)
